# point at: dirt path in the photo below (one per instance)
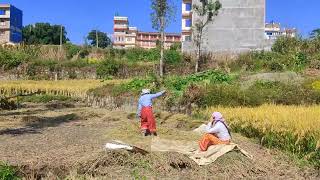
(62, 141)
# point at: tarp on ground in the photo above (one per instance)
(184, 147)
(191, 150)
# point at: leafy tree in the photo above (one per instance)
(206, 10)
(163, 13)
(44, 33)
(103, 40)
(315, 34)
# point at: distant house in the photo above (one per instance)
(273, 31)
(10, 24)
(125, 36)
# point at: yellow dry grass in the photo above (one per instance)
(73, 88)
(316, 85)
(301, 121)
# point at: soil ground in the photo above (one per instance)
(66, 140)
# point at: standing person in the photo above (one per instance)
(217, 132)
(148, 122)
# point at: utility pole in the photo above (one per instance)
(61, 38)
(97, 39)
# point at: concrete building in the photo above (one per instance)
(273, 31)
(125, 36)
(240, 26)
(10, 24)
(148, 40)
(186, 20)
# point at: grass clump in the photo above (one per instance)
(261, 92)
(44, 98)
(8, 172)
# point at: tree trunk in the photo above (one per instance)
(198, 53)
(161, 46)
(198, 59)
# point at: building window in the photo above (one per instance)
(2, 23)
(188, 22)
(188, 6)
(2, 12)
(187, 38)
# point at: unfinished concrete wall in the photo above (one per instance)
(239, 27)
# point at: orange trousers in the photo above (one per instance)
(210, 139)
(148, 121)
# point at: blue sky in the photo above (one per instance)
(80, 16)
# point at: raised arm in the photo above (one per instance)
(152, 96)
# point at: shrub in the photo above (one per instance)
(139, 54)
(79, 63)
(12, 58)
(71, 50)
(285, 45)
(34, 66)
(261, 92)
(172, 57)
(176, 46)
(107, 68)
(84, 53)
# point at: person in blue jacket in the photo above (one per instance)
(145, 112)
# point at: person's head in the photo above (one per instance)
(217, 116)
(145, 91)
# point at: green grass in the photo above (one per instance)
(7, 172)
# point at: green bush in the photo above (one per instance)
(285, 45)
(176, 46)
(139, 54)
(71, 50)
(172, 57)
(79, 63)
(12, 58)
(84, 53)
(34, 66)
(108, 68)
(261, 92)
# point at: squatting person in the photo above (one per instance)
(148, 122)
(217, 132)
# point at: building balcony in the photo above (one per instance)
(120, 18)
(119, 33)
(116, 26)
(5, 16)
(186, 28)
(186, 14)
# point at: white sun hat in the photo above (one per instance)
(145, 91)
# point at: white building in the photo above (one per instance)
(273, 31)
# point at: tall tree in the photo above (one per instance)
(44, 33)
(205, 12)
(315, 34)
(163, 13)
(97, 36)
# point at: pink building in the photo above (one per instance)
(125, 36)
